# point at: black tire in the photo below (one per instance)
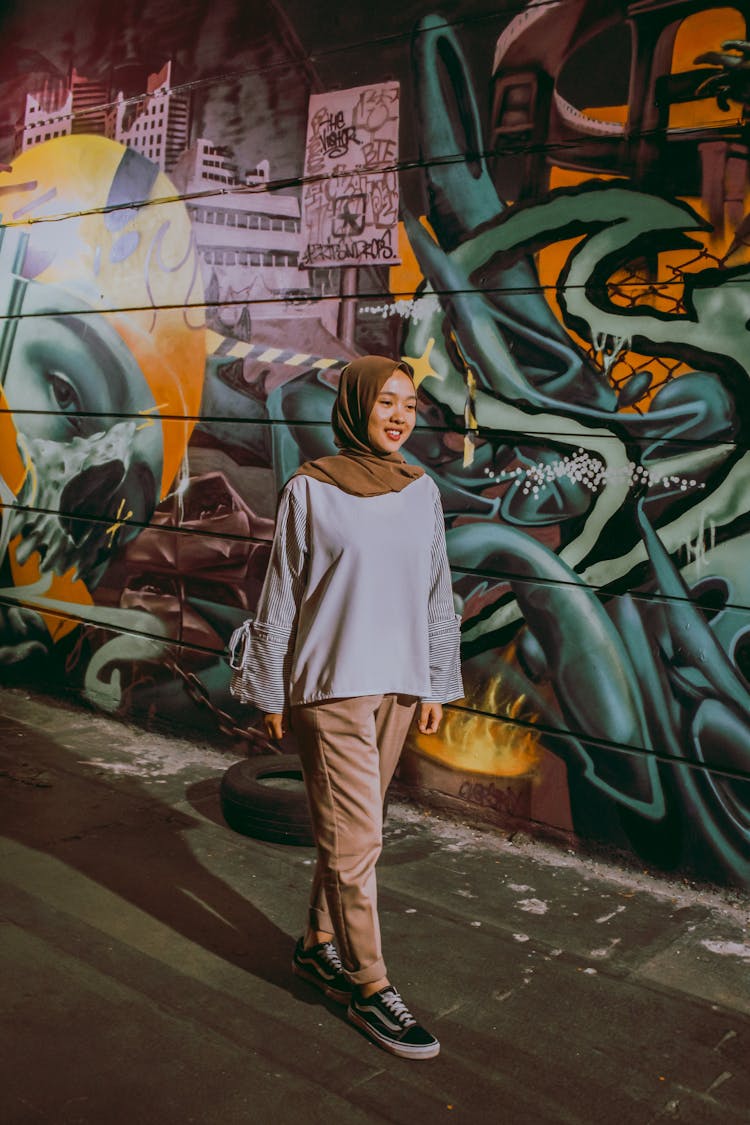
(280, 816)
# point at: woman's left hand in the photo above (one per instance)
(430, 717)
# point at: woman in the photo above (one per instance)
(355, 629)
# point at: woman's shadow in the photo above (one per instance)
(114, 831)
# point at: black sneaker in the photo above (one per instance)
(321, 965)
(385, 1018)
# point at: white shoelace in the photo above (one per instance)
(395, 1005)
(331, 956)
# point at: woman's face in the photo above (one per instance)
(394, 414)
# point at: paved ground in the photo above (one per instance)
(145, 956)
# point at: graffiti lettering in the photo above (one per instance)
(361, 249)
(351, 133)
(381, 151)
(384, 201)
(336, 136)
(376, 108)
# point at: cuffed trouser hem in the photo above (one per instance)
(368, 975)
(320, 921)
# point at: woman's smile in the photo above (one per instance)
(394, 414)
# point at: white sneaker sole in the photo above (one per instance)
(394, 1047)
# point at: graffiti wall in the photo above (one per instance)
(207, 210)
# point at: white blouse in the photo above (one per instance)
(357, 600)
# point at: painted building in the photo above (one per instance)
(543, 207)
(88, 103)
(156, 124)
(47, 113)
(249, 239)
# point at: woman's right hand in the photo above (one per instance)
(274, 725)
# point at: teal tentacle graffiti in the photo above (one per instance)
(674, 463)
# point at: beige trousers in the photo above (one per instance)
(349, 749)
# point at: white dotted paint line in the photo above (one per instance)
(588, 471)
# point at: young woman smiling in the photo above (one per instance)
(355, 631)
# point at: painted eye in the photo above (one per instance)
(65, 393)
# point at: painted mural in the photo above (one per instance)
(543, 207)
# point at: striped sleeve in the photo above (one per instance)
(269, 647)
(443, 621)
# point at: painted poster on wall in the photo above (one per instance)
(350, 197)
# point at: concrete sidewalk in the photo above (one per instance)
(146, 950)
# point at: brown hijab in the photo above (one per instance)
(358, 468)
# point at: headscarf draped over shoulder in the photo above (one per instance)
(358, 468)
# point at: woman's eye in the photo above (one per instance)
(65, 393)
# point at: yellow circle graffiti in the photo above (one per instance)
(102, 335)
